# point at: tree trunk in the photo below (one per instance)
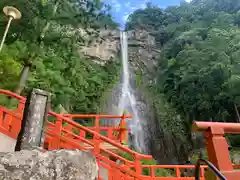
(237, 112)
(23, 79)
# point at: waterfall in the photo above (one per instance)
(128, 101)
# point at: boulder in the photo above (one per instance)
(34, 164)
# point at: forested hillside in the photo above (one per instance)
(42, 51)
(199, 65)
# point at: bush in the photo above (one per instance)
(234, 140)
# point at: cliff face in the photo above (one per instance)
(164, 142)
(156, 121)
(102, 48)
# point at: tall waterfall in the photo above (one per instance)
(128, 102)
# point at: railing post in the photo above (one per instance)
(96, 137)
(123, 131)
(96, 140)
(56, 139)
(217, 148)
(97, 124)
(53, 135)
(138, 165)
(34, 115)
(21, 106)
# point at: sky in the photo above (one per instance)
(122, 8)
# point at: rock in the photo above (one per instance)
(236, 158)
(50, 165)
(103, 48)
(166, 147)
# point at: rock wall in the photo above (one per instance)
(103, 48)
(166, 147)
(35, 164)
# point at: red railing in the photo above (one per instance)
(10, 120)
(65, 133)
(61, 137)
(118, 133)
(217, 146)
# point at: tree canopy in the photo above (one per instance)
(198, 69)
(42, 51)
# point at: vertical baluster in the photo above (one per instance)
(123, 129)
(178, 174)
(82, 133)
(202, 171)
(20, 108)
(110, 173)
(97, 126)
(56, 140)
(152, 169)
(138, 165)
(110, 133)
(96, 141)
(69, 135)
(96, 138)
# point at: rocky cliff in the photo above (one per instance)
(102, 48)
(164, 142)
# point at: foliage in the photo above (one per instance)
(146, 171)
(48, 39)
(198, 70)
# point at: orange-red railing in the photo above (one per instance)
(217, 146)
(118, 133)
(10, 121)
(75, 136)
(61, 137)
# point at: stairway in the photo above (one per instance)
(106, 148)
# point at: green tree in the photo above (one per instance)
(198, 70)
(42, 51)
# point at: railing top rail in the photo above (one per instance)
(233, 128)
(12, 113)
(190, 166)
(9, 93)
(112, 142)
(95, 115)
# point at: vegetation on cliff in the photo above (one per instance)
(42, 51)
(198, 70)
